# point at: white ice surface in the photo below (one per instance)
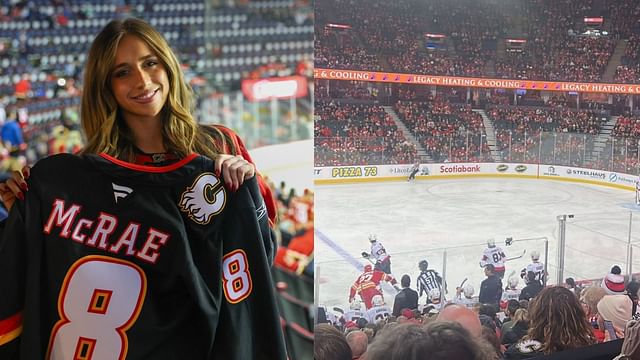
(418, 220)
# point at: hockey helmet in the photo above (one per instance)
(377, 300)
(468, 290)
(423, 265)
(355, 305)
(491, 242)
(434, 293)
(513, 282)
(368, 268)
(535, 255)
(373, 238)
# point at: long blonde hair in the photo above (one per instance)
(104, 128)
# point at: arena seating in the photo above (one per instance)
(357, 135)
(556, 48)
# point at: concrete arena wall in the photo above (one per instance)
(379, 173)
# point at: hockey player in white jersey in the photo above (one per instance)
(355, 312)
(510, 293)
(535, 267)
(330, 315)
(414, 170)
(495, 256)
(464, 296)
(379, 253)
(379, 311)
(428, 280)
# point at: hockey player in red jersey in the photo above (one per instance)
(367, 285)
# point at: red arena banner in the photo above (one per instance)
(355, 75)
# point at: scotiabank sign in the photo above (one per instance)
(275, 88)
(459, 169)
(355, 75)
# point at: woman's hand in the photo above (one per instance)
(234, 169)
(14, 187)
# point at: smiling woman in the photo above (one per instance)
(140, 85)
(146, 106)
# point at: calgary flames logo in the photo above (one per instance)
(204, 199)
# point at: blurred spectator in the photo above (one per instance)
(298, 254)
(491, 287)
(613, 282)
(435, 341)
(407, 298)
(490, 337)
(631, 345)
(461, 314)
(13, 141)
(509, 311)
(632, 289)
(330, 344)
(358, 343)
(589, 299)
(519, 328)
(23, 87)
(614, 311)
(533, 287)
(571, 285)
(556, 323)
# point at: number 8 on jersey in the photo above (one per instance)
(100, 300)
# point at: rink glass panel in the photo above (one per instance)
(597, 241)
(620, 154)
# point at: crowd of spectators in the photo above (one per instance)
(593, 321)
(572, 59)
(448, 132)
(340, 49)
(518, 132)
(358, 134)
(629, 69)
(327, 89)
(446, 127)
(392, 38)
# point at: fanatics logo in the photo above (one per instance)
(120, 192)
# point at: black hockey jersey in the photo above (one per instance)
(111, 260)
(249, 326)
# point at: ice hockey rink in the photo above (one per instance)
(425, 218)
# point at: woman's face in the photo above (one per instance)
(139, 81)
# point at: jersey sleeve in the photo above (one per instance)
(265, 190)
(268, 238)
(13, 264)
(391, 279)
(249, 325)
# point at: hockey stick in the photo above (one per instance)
(337, 309)
(365, 255)
(371, 261)
(463, 282)
(516, 257)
